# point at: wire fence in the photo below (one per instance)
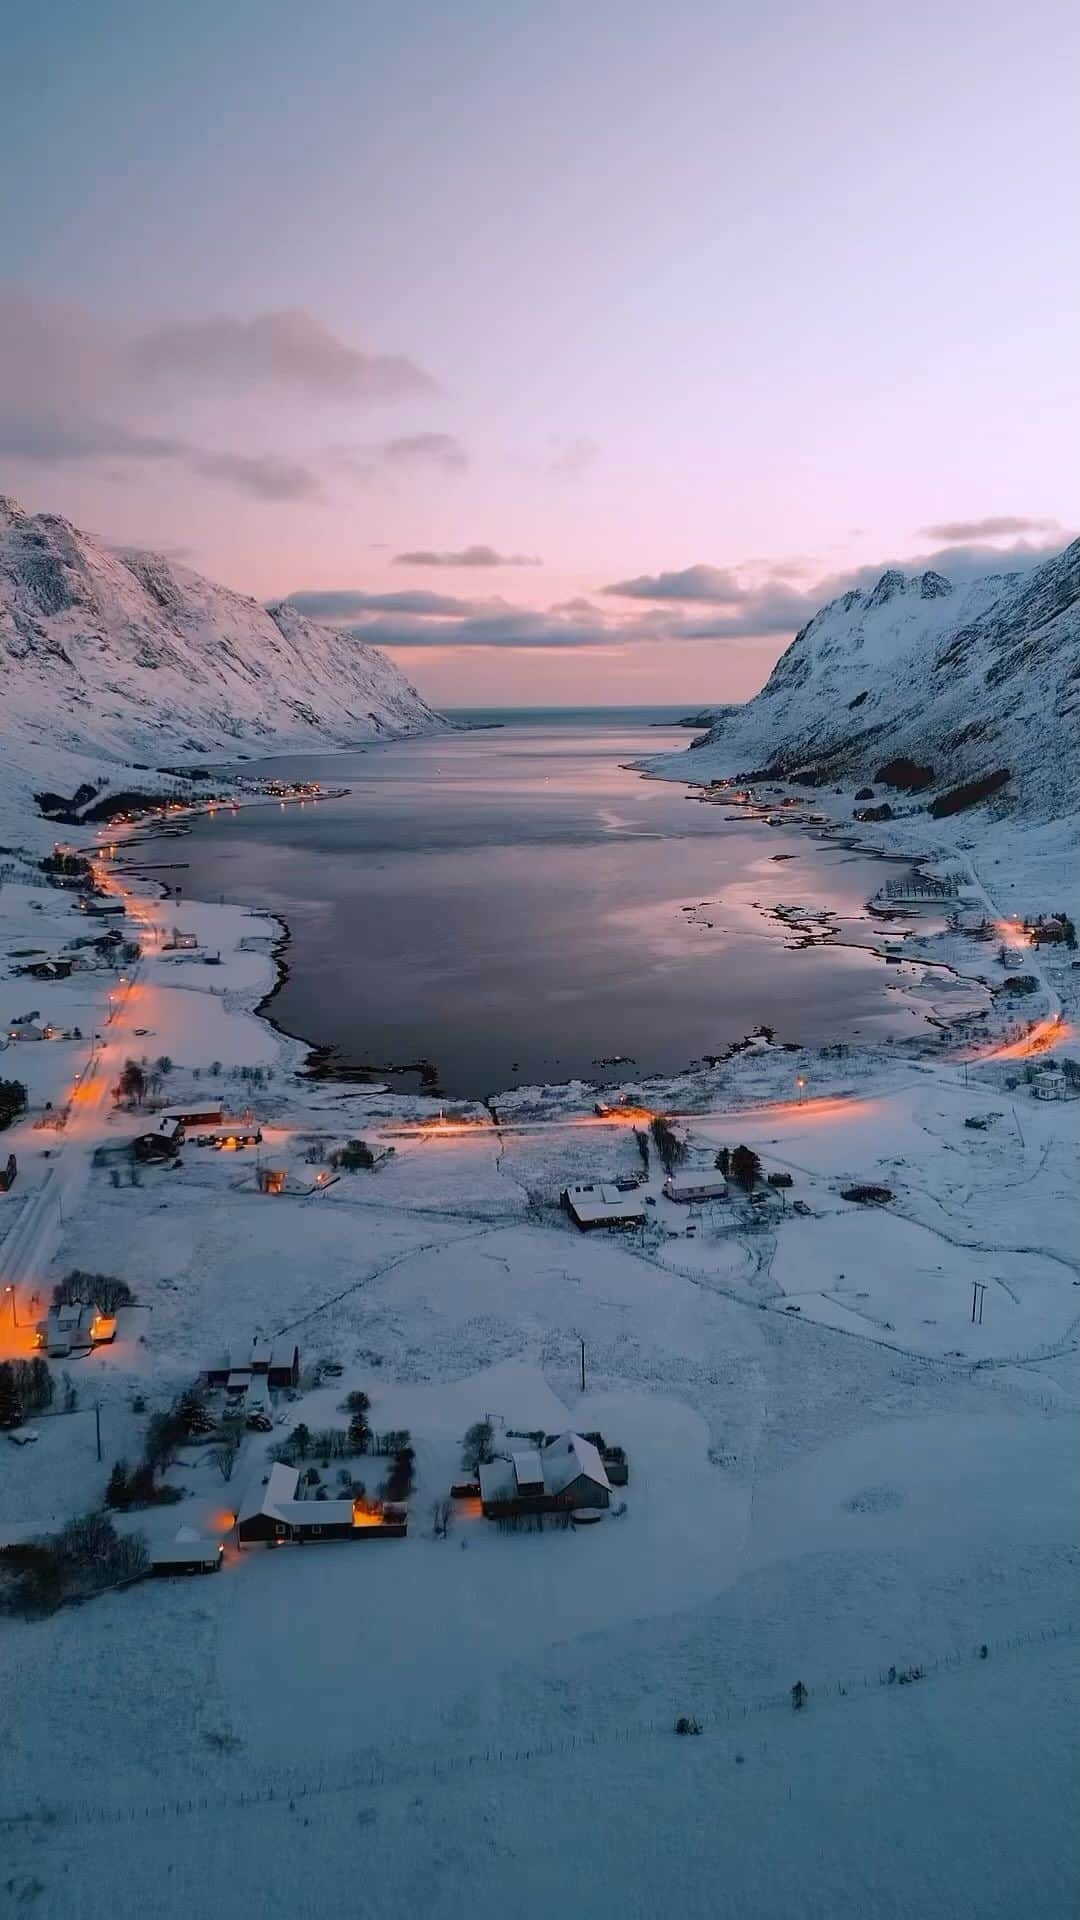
(373, 1770)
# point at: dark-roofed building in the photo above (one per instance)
(567, 1473)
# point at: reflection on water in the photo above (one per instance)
(512, 905)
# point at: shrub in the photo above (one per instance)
(353, 1156)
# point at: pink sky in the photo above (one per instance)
(722, 307)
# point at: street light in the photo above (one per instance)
(801, 1084)
(14, 1315)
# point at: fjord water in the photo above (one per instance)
(510, 904)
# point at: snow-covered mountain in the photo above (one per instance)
(967, 680)
(113, 661)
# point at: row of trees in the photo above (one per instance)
(139, 1080)
(85, 1557)
(671, 1151)
(99, 1290)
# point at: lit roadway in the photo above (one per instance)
(32, 1241)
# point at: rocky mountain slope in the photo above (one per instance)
(966, 680)
(118, 661)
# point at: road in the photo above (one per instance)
(31, 1244)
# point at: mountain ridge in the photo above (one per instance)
(120, 659)
(969, 678)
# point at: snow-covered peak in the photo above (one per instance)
(968, 677)
(116, 660)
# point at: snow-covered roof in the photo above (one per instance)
(496, 1479)
(596, 1201)
(279, 1491)
(188, 1545)
(284, 1351)
(318, 1513)
(566, 1458)
(704, 1180)
(528, 1468)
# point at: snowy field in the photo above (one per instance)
(833, 1473)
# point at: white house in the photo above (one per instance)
(1050, 1083)
(702, 1184)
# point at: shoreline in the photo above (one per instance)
(323, 1063)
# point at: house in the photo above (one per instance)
(567, 1473)
(273, 1512)
(104, 909)
(271, 1364)
(1050, 1083)
(207, 1113)
(261, 1350)
(190, 1552)
(704, 1184)
(284, 1369)
(151, 1147)
(1050, 928)
(593, 1204)
(8, 1173)
(24, 1030)
(75, 1327)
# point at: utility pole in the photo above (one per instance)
(97, 1423)
(978, 1290)
(583, 1366)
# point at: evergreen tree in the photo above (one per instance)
(10, 1402)
(745, 1168)
(12, 1101)
(117, 1493)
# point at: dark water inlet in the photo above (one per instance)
(515, 905)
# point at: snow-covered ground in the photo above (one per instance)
(833, 1473)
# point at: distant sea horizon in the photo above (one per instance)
(644, 711)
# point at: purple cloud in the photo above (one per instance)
(289, 348)
(425, 449)
(960, 531)
(478, 556)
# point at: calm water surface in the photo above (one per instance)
(511, 904)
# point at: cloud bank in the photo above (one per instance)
(478, 556)
(290, 348)
(74, 390)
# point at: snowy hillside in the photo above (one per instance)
(114, 661)
(967, 680)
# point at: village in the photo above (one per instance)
(522, 1350)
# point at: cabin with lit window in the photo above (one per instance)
(75, 1327)
(273, 1514)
